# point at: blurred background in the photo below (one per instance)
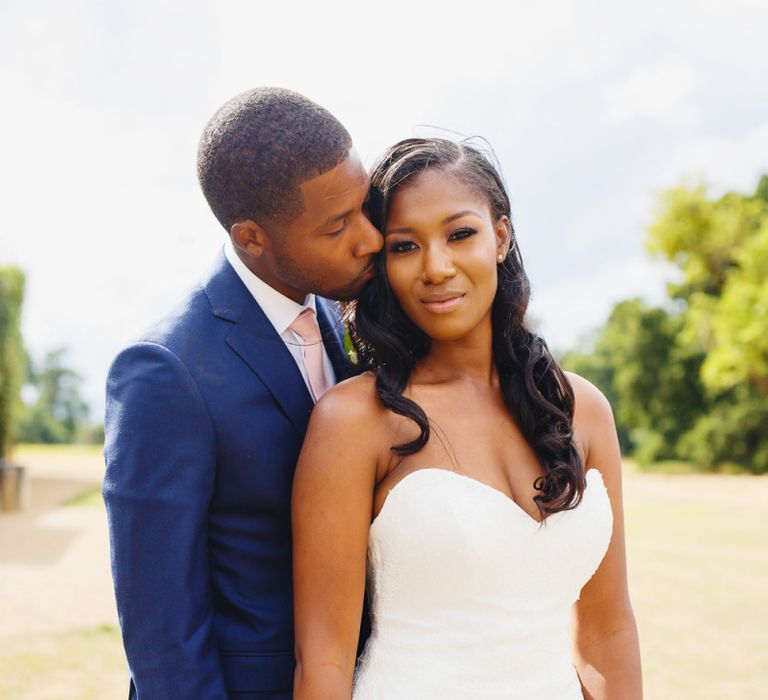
(634, 141)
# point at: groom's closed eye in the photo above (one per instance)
(338, 221)
(339, 230)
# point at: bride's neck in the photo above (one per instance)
(469, 359)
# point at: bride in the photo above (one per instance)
(464, 478)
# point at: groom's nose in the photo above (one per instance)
(369, 240)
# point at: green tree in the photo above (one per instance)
(11, 351)
(650, 378)
(721, 249)
(58, 411)
(733, 430)
(737, 324)
(692, 383)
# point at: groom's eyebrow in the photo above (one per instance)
(333, 218)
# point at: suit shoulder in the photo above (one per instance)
(148, 368)
(193, 309)
(169, 341)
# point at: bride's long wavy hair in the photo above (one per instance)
(536, 391)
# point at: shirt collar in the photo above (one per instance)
(278, 308)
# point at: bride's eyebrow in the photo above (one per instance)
(402, 229)
(446, 220)
(458, 215)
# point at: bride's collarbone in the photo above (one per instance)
(476, 438)
(460, 416)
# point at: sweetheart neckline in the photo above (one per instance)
(510, 502)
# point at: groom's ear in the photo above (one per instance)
(249, 238)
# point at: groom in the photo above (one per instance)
(205, 416)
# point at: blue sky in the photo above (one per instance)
(591, 107)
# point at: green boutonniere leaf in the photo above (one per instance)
(349, 348)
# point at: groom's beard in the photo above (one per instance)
(325, 283)
(353, 290)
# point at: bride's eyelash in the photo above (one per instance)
(407, 246)
(464, 232)
(400, 247)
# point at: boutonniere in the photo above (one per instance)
(349, 348)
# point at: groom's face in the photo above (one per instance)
(329, 248)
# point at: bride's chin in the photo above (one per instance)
(444, 335)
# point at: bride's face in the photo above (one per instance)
(442, 248)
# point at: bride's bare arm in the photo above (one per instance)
(606, 650)
(331, 511)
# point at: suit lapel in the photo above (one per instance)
(256, 342)
(332, 330)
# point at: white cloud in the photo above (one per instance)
(659, 92)
(102, 209)
(728, 162)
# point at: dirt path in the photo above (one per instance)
(54, 558)
(698, 575)
(59, 638)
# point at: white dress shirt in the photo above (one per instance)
(281, 313)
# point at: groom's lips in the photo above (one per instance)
(368, 272)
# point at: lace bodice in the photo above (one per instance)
(470, 595)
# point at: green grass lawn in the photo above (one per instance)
(81, 664)
(698, 566)
(87, 499)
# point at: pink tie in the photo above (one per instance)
(305, 326)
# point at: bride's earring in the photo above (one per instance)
(501, 257)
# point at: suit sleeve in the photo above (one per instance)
(160, 456)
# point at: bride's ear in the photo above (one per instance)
(503, 231)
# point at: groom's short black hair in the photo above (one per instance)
(258, 148)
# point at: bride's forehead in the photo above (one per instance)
(432, 193)
(434, 178)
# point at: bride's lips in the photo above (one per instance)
(443, 303)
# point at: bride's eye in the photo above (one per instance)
(401, 247)
(462, 233)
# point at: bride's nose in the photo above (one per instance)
(437, 265)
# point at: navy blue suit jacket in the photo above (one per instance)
(204, 421)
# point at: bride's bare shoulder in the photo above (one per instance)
(348, 424)
(364, 384)
(354, 399)
(593, 423)
(588, 399)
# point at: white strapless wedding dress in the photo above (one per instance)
(470, 596)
